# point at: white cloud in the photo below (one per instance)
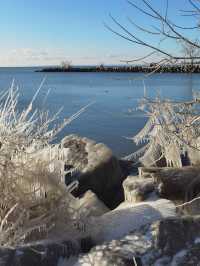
(28, 57)
(36, 57)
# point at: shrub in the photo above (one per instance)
(34, 201)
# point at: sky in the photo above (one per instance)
(46, 32)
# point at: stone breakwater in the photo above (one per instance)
(182, 68)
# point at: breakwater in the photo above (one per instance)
(182, 68)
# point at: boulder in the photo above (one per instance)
(190, 207)
(92, 164)
(129, 217)
(174, 183)
(174, 234)
(137, 189)
(40, 254)
(187, 257)
(92, 205)
(128, 167)
(97, 169)
(172, 241)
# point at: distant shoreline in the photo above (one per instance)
(184, 68)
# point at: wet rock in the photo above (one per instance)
(99, 170)
(137, 189)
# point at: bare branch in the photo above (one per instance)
(138, 41)
(140, 9)
(166, 29)
(141, 28)
(194, 5)
(139, 59)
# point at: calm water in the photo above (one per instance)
(108, 120)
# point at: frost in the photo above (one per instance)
(172, 131)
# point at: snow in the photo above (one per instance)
(128, 217)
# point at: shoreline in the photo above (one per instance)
(187, 68)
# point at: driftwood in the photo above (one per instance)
(175, 183)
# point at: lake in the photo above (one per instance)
(108, 119)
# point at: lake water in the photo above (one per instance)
(109, 119)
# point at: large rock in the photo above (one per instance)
(92, 164)
(137, 189)
(179, 183)
(173, 235)
(123, 252)
(128, 217)
(46, 253)
(98, 169)
(170, 242)
(173, 241)
(92, 205)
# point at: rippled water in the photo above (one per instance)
(109, 119)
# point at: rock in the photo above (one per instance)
(127, 167)
(92, 164)
(128, 217)
(187, 257)
(193, 155)
(174, 183)
(45, 253)
(173, 241)
(190, 207)
(137, 189)
(99, 170)
(156, 244)
(174, 234)
(92, 204)
(108, 255)
(125, 251)
(40, 254)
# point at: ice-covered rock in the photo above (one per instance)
(98, 169)
(92, 205)
(129, 217)
(137, 189)
(179, 246)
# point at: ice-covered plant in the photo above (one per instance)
(172, 131)
(34, 201)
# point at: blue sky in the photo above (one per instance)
(45, 32)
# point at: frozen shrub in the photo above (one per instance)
(34, 201)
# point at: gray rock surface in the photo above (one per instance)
(137, 189)
(173, 241)
(170, 242)
(92, 205)
(99, 170)
(129, 217)
(40, 254)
